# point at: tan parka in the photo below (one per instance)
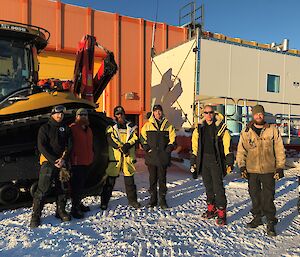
(261, 154)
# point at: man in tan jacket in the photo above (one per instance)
(261, 159)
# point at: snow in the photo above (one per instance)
(178, 231)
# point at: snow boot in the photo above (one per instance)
(131, 193)
(255, 222)
(211, 211)
(271, 228)
(162, 202)
(37, 207)
(221, 217)
(61, 209)
(153, 200)
(76, 211)
(84, 208)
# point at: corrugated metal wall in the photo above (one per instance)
(129, 39)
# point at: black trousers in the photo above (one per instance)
(212, 175)
(262, 192)
(49, 174)
(108, 187)
(78, 179)
(158, 174)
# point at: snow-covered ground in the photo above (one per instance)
(178, 231)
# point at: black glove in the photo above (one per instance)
(146, 148)
(244, 172)
(125, 148)
(278, 174)
(193, 160)
(169, 148)
(229, 159)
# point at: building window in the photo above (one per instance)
(273, 83)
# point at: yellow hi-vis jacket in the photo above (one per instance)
(157, 139)
(117, 160)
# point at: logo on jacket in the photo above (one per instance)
(61, 129)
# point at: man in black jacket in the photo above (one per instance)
(212, 158)
(54, 145)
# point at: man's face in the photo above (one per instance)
(120, 117)
(259, 118)
(208, 114)
(82, 117)
(158, 114)
(58, 117)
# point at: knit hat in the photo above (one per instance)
(157, 107)
(119, 110)
(81, 111)
(258, 109)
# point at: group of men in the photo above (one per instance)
(260, 157)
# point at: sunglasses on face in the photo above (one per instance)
(211, 112)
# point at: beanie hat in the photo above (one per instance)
(258, 109)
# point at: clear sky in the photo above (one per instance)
(264, 21)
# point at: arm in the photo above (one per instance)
(242, 152)
(111, 139)
(279, 150)
(43, 146)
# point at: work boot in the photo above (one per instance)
(61, 209)
(153, 200)
(211, 211)
(221, 216)
(131, 193)
(255, 222)
(84, 208)
(76, 212)
(271, 228)
(37, 207)
(162, 202)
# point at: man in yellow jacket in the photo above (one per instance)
(212, 158)
(158, 140)
(261, 159)
(121, 139)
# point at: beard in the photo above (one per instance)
(83, 122)
(259, 122)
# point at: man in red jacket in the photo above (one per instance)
(82, 156)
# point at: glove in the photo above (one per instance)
(229, 159)
(64, 175)
(146, 148)
(169, 148)
(125, 148)
(244, 173)
(278, 174)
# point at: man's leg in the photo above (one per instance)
(254, 187)
(268, 207)
(153, 177)
(61, 197)
(44, 184)
(130, 188)
(162, 180)
(107, 192)
(77, 184)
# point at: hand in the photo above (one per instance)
(278, 174)
(125, 148)
(229, 159)
(59, 163)
(147, 148)
(244, 173)
(193, 159)
(193, 168)
(169, 148)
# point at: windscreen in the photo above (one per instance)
(14, 67)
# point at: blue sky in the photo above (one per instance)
(264, 21)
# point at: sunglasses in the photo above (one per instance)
(211, 112)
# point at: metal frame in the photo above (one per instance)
(245, 102)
